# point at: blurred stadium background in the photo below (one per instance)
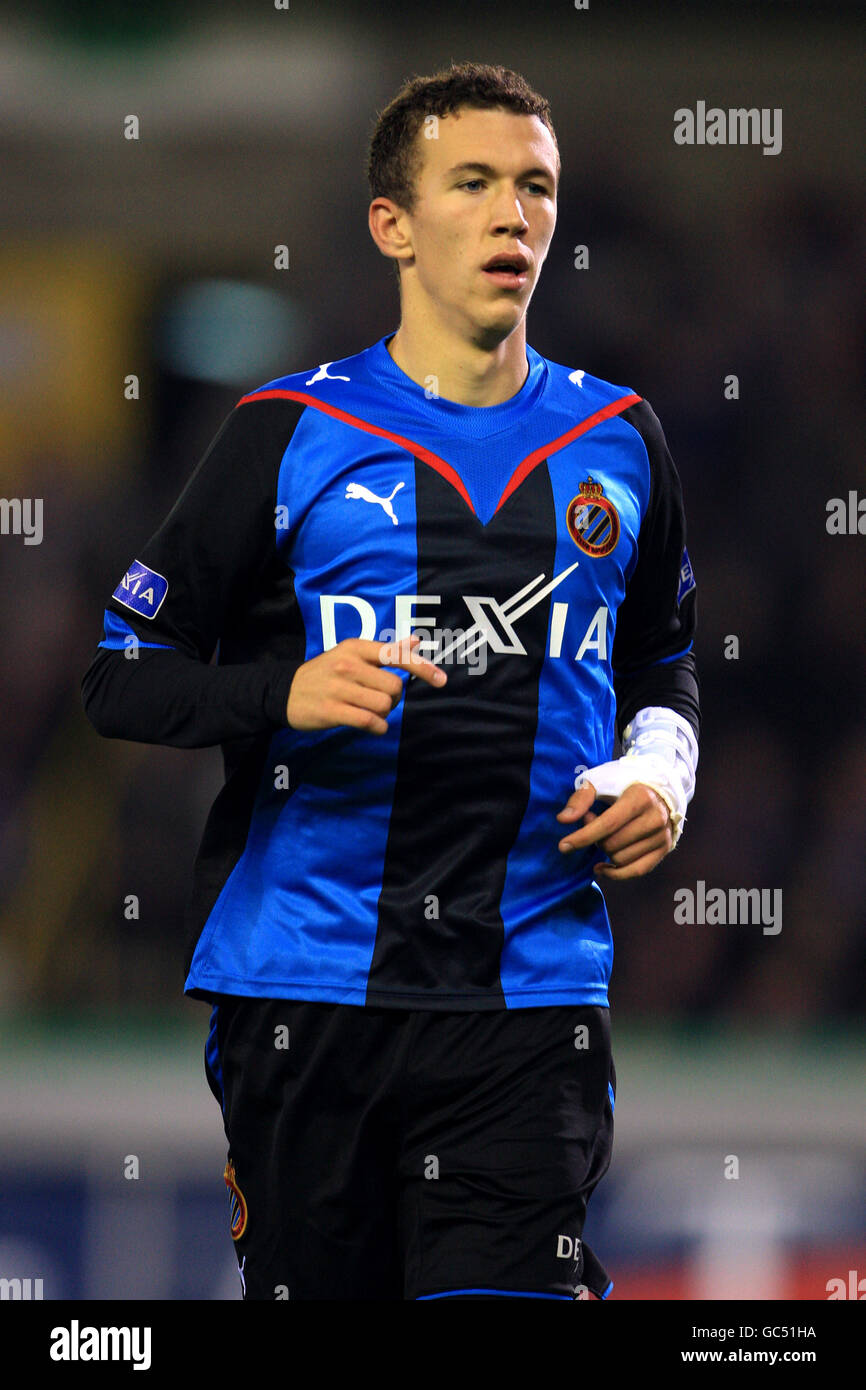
(154, 257)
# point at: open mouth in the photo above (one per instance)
(506, 275)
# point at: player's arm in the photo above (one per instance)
(655, 680)
(150, 679)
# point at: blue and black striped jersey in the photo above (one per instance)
(538, 547)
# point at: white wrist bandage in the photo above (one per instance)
(660, 750)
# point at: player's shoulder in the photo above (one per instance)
(580, 386)
(576, 387)
(317, 375)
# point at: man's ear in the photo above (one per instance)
(386, 222)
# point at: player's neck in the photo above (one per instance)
(459, 370)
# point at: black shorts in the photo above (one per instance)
(412, 1154)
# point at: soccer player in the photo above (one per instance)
(439, 575)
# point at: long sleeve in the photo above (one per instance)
(166, 697)
(210, 579)
(653, 662)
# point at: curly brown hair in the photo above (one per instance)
(395, 155)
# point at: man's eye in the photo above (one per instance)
(539, 186)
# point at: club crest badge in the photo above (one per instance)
(237, 1202)
(593, 520)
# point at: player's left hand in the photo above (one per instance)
(634, 832)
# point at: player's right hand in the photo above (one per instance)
(349, 685)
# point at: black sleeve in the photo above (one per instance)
(166, 697)
(217, 551)
(653, 663)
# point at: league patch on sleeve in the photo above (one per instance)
(687, 578)
(142, 590)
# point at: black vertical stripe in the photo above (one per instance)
(594, 533)
(463, 766)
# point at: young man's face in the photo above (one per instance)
(466, 216)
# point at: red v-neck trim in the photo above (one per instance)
(446, 470)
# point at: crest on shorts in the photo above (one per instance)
(593, 520)
(237, 1202)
